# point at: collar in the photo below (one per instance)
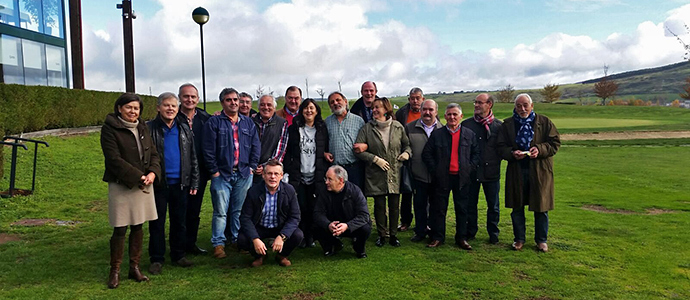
(453, 131)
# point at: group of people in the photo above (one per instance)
(283, 179)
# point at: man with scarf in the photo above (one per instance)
(528, 142)
(488, 173)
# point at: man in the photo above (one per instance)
(488, 172)
(362, 107)
(273, 134)
(196, 118)
(246, 105)
(418, 132)
(341, 211)
(410, 112)
(174, 142)
(293, 98)
(343, 128)
(231, 149)
(528, 142)
(450, 155)
(270, 211)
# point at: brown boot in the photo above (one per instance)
(136, 242)
(117, 250)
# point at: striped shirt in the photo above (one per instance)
(269, 215)
(342, 136)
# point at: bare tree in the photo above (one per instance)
(686, 46)
(505, 94)
(320, 92)
(606, 87)
(306, 81)
(550, 93)
(340, 87)
(259, 91)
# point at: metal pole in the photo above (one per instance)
(13, 170)
(127, 17)
(33, 178)
(203, 67)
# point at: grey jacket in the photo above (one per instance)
(417, 135)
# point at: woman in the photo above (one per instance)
(131, 166)
(305, 162)
(388, 147)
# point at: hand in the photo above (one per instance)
(148, 178)
(259, 170)
(360, 147)
(217, 113)
(216, 174)
(382, 163)
(340, 229)
(278, 244)
(333, 226)
(403, 156)
(518, 154)
(533, 152)
(328, 156)
(192, 192)
(259, 246)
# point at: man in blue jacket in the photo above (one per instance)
(231, 150)
(271, 210)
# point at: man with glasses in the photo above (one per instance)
(246, 105)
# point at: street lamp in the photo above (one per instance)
(200, 16)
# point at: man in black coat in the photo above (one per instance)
(270, 210)
(362, 107)
(341, 211)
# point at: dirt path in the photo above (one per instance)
(626, 135)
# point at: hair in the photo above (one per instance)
(184, 85)
(275, 103)
(165, 96)
(386, 105)
(273, 163)
(299, 119)
(246, 95)
(127, 98)
(227, 91)
(293, 88)
(454, 105)
(415, 90)
(523, 95)
(337, 93)
(339, 171)
(430, 100)
(374, 83)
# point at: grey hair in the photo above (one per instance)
(415, 90)
(523, 95)
(430, 100)
(246, 95)
(179, 91)
(165, 96)
(227, 91)
(339, 172)
(454, 105)
(275, 103)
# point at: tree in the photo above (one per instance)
(505, 94)
(550, 93)
(320, 92)
(686, 95)
(605, 88)
(259, 92)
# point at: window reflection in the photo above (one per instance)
(31, 14)
(11, 60)
(8, 12)
(52, 14)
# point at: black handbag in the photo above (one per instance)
(405, 179)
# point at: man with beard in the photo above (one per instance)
(343, 128)
(362, 107)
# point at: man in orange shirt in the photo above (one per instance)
(410, 112)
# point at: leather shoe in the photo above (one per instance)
(380, 241)
(403, 227)
(219, 252)
(283, 261)
(493, 241)
(416, 238)
(259, 261)
(156, 268)
(543, 247)
(434, 244)
(517, 246)
(464, 245)
(183, 262)
(394, 241)
(196, 250)
(361, 255)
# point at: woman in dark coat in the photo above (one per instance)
(131, 166)
(304, 160)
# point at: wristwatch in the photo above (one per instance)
(284, 237)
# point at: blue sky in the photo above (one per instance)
(439, 45)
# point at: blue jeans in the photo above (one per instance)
(493, 208)
(227, 198)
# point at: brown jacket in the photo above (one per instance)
(547, 140)
(122, 162)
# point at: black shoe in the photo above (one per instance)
(328, 253)
(338, 246)
(394, 241)
(195, 250)
(362, 255)
(380, 241)
(183, 262)
(156, 268)
(417, 238)
(493, 241)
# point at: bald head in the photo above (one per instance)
(483, 105)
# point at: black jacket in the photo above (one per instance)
(293, 158)
(436, 155)
(359, 109)
(288, 210)
(270, 137)
(489, 168)
(189, 168)
(354, 208)
(198, 130)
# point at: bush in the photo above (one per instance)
(32, 108)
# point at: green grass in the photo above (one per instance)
(593, 255)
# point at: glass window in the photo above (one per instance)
(34, 63)
(11, 60)
(57, 71)
(31, 15)
(8, 12)
(52, 16)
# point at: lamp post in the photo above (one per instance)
(200, 16)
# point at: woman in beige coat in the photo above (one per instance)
(131, 166)
(388, 147)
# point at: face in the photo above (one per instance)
(429, 113)
(168, 109)
(130, 111)
(245, 105)
(378, 111)
(293, 100)
(333, 183)
(453, 117)
(482, 106)
(189, 97)
(368, 92)
(523, 107)
(266, 108)
(337, 104)
(416, 100)
(272, 176)
(231, 103)
(309, 112)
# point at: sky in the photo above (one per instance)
(437, 45)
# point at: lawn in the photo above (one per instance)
(629, 244)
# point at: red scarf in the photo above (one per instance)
(486, 121)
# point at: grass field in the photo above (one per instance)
(629, 244)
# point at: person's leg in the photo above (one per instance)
(237, 195)
(380, 215)
(220, 197)
(437, 214)
(157, 227)
(459, 198)
(541, 226)
(471, 198)
(117, 251)
(421, 208)
(359, 238)
(406, 215)
(292, 242)
(178, 230)
(493, 208)
(193, 215)
(518, 218)
(393, 213)
(325, 238)
(355, 173)
(136, 245)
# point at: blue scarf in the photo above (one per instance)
(525, 133)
